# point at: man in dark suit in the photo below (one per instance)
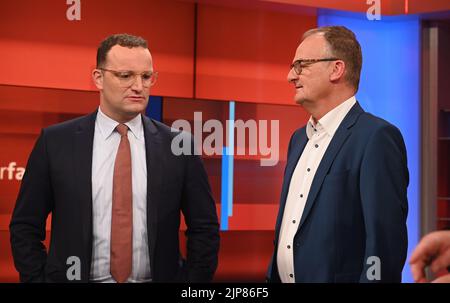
(115, 189)
(343, 204)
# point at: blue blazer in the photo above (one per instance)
(356, 207)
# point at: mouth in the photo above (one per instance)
(298, 86)
(136, 98)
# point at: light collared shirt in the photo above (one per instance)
(106, 144)
(319, 137)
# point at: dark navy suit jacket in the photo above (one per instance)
(356, 208)
(58, 181)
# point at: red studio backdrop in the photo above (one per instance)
(206, 55)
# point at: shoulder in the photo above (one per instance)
(163, 130)
(64, 129)
(379, 136)
(372, 126)
(180, 142)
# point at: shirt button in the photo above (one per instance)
(293, 221)
(308, 169)
(289, 247)
(316, 146)
(291, 275)
(301, 195)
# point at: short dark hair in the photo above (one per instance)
(125, 40)
(343, 45)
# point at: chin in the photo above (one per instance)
(136, 107)
(299, 101)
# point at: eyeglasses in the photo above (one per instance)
(299, 64)
(127, 78)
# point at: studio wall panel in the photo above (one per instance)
(40, 47)
(244, 54)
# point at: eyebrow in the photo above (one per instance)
(133, 71)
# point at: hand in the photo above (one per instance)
(434, 251)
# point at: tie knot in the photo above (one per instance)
(122, 129)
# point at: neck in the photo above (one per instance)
(321, 107)
(120, 118)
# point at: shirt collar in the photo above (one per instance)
(331, 121)
(108, 125)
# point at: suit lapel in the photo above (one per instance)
(155, 171)
(82, 161)
(339, 138)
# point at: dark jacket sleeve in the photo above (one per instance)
(200, 215)
(384, 180)
(27, 227)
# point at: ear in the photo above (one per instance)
(97, 76)
(338, 70)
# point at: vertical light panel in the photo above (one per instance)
(224, 190)
(231, 154)
(390, 88)
(226, 208)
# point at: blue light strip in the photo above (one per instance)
(390, 89)
(226, 206)
(224, 194)
(231, 159)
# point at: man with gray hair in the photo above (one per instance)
(343, 205)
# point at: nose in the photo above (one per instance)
(138, 84)
(292, 76)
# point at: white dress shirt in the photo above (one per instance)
(106, 144)
(319, 137)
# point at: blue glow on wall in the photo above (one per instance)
(390, 88)
(224, 189)
(232, 110)
(226, 206)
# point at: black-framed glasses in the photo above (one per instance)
(128, 77)
(299, 64)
